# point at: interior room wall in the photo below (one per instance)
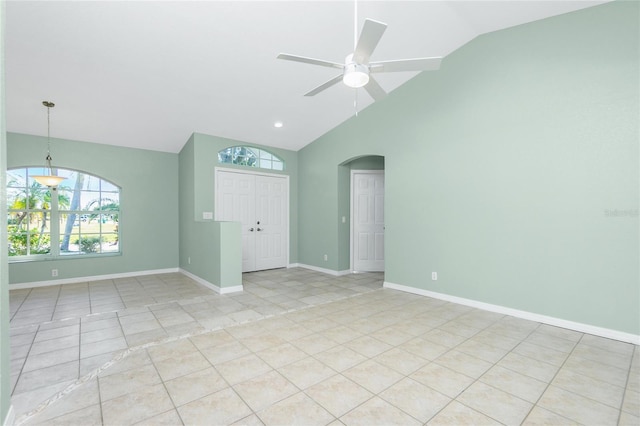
(148, 202)
(5, 370)
(512, 172)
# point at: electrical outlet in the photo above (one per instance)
(207, 215)
(326, 257)
(54, 272)
(434, 276)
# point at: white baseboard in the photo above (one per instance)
(76, 280)
(11, 417)
(319, 269)
(557, 322)
(219, 290)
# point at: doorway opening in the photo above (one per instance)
(362, 180)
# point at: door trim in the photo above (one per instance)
(257, 173)
(351, 218)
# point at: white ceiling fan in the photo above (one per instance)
(357, 70)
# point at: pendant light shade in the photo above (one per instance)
(50, 180)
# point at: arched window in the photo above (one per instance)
(252, 157)
(80, 217)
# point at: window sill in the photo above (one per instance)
(60, 257)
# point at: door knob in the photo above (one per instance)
(250, 229)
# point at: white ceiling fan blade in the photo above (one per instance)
(312, 61)
(415, 64)
(369, 37)
(324, 86)
(374, 89)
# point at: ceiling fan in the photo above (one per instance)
(357, 69)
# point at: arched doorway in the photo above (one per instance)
(366, 213)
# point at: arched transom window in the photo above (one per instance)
(80, 217)
(251, 157)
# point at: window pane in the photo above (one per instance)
(108, 187)
(69, 243)
(17, 178)
(109, 222)
(89, 200)
(265, 155)
(110, 201)
(90, 243)
(17, 243)
(36, 197)
(91, 183)
(38, 220)
(16, 221)
(39, 243)
(12, 222)
(110, 243)
(15, 198)
(252, 157)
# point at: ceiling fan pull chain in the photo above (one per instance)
(355, 101)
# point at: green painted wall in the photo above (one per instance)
(369, 162)
(5, 370)
(188, 235)
(229, 246)
(148, 200)
(502, 170)
(208, 249)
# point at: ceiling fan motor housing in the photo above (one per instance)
(355, 74)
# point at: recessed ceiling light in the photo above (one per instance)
(278, 124)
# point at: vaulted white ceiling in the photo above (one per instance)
(147, 74)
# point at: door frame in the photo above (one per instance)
(257, 173)
(351, 217)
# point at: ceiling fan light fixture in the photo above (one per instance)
(355, 75)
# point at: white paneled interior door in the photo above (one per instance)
(261, 204)
(367, 200)
(271, 222)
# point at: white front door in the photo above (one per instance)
(367, 200)
(260, 203)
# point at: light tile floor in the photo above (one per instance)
(300, 347)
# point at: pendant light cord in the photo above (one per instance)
(49, 105)
(48, 133)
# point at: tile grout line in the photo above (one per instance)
(121, 355)
(626, 385)
(21, 304)
(554, 377)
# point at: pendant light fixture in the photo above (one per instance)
(50, 180)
